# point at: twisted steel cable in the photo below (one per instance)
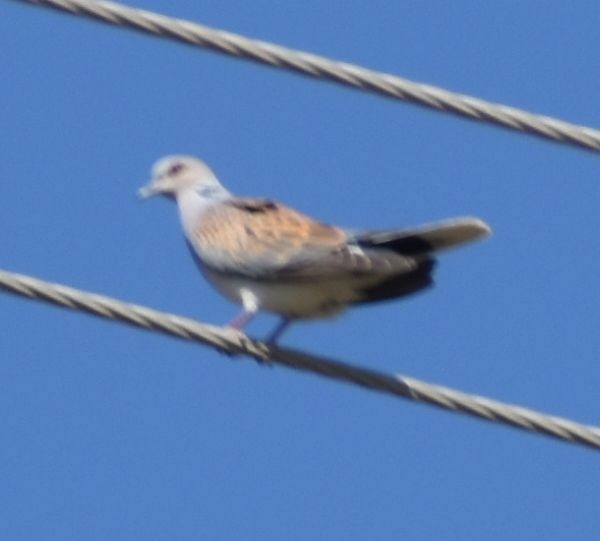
(234, 342)
(323, 68)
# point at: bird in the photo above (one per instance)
(269, 257)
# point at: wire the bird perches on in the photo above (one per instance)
(323, 68)
(235, 342)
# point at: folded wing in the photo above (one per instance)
(262, 239)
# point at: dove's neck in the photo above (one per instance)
(193, 203)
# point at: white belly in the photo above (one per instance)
(295, 300)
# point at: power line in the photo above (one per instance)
(237, 343)
(339, 72)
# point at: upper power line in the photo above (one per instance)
(323, 68)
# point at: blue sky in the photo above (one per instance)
(112, 432)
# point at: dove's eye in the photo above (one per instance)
(175, 168)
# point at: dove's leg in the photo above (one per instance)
(250, 306)
(239, 321)
(279, 330)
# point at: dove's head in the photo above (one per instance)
(174, 175)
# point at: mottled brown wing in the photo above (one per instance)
(260, 238)
(266, 240)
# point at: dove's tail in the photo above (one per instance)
(428, 238)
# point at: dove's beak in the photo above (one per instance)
(148, 191)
